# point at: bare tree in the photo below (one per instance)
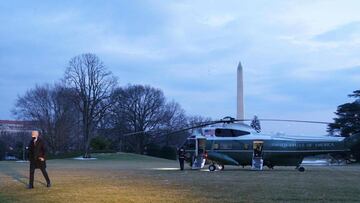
(144, 109)
(49, 107)
(92, 84)
(197, 120)
(175, 119)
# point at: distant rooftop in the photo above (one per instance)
(16, 126)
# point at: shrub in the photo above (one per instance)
(153, 150)
(2, 150)
(64, 155)
(168, 152)
(99, 143)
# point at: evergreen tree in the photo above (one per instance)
(348, 117)
(347, 121)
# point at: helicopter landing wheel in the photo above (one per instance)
(220, 167)
(301, 169)
(212, 167)
(270, 166)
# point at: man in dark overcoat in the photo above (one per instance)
(37, 158)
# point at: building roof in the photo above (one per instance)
(16, 122)
(16, 126)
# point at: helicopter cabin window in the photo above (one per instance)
(225, 146)
(229, 133)
(215, 146)
(190, 144)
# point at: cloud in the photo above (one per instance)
(347, 32)
(293, 53)
(314, 17)
(217, 21)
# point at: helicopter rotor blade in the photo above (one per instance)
(197, 125)
(193, 127)
(225, 120)
(294, 121)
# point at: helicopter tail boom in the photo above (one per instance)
(352, 141)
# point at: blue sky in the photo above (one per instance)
(300, 58)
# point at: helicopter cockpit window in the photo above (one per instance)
(230, 133)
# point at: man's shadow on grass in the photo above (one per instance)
(19, 177)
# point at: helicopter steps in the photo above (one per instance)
(199, 162)
(257, 163)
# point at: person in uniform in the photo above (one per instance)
(181, 157)
(258, 150)
(37, 158)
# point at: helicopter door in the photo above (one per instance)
(199, 159)
(257, 160)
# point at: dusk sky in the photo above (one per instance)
(300, 58)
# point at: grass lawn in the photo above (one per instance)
(133, 178)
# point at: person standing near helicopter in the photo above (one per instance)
(181, 153)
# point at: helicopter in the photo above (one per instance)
(232, 142)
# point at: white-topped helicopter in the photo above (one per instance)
(231, 142)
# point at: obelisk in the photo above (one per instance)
(240, 93)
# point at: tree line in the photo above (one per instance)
(87, 110)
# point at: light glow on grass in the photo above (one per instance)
(85, 159)
(166, 169)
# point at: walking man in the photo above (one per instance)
(181, 158)
(37, 158)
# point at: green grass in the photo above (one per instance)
(126, 157)
(133, 178)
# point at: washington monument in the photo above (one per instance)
(240, 93)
